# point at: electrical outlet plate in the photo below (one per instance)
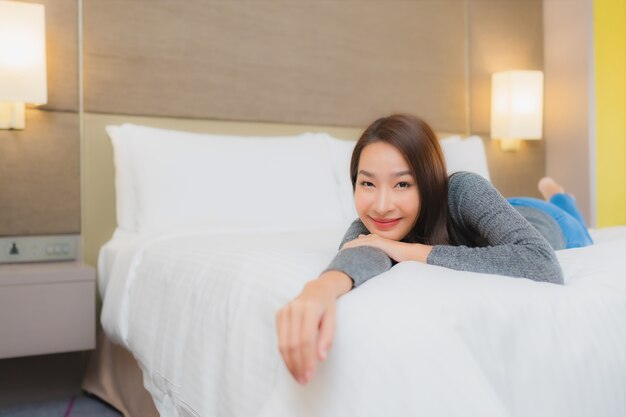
(38, 248)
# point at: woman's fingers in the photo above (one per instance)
(283, 324)
(298, 326)
(327, 330)
(362, 240)
(305, 327)
(294, 362)
(282, 328)
(308, 340)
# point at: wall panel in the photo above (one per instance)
(504, 35)
(567, 113)
(312, 61)
(62, 53)
(40, 166)
(40, 176)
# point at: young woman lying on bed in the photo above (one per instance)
(411, 210)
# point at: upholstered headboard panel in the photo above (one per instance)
(40, 166)
(321, 62)
(324, 62)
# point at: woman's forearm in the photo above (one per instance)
(396, 250)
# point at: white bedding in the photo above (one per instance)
(197, 311)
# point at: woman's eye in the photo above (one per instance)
(404, 184)
(366, 184)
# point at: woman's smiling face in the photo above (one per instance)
(386, 194)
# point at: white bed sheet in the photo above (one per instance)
(197, 311)
(108, 254)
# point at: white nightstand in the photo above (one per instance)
(46, 308)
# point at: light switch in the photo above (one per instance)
(38, 248)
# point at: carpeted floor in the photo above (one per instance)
(80, 406)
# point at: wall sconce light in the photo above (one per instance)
(516, 107)
(22, 61)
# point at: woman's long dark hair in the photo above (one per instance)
(419, 145)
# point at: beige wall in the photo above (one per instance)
(568, 116)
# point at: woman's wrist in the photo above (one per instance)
(334, 283)
(415, 252)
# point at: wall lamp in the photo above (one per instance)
(516, 107)
(22, 61)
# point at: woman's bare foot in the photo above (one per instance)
(548, 187)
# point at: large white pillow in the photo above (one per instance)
(466, 154)
(461, 155)
(189, 181)
(341, 154)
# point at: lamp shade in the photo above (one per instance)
(22, 53)
(517, 105)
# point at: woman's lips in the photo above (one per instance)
(385, 224)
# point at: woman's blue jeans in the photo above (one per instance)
(562, 208)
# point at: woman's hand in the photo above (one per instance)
(398, 251)
(306, 325)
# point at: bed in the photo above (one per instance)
(191, 282)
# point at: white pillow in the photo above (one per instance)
(188, 181)
(465, 155)
(124, 193)
(341, 154)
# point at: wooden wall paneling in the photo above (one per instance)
(516, 174)
(504, 35)
(61, 53)
(317, 62)
(568, 115)
(40, 166)
(40, 176)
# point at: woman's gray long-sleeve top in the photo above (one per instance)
(488, 235)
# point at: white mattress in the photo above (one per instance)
(197, 311)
